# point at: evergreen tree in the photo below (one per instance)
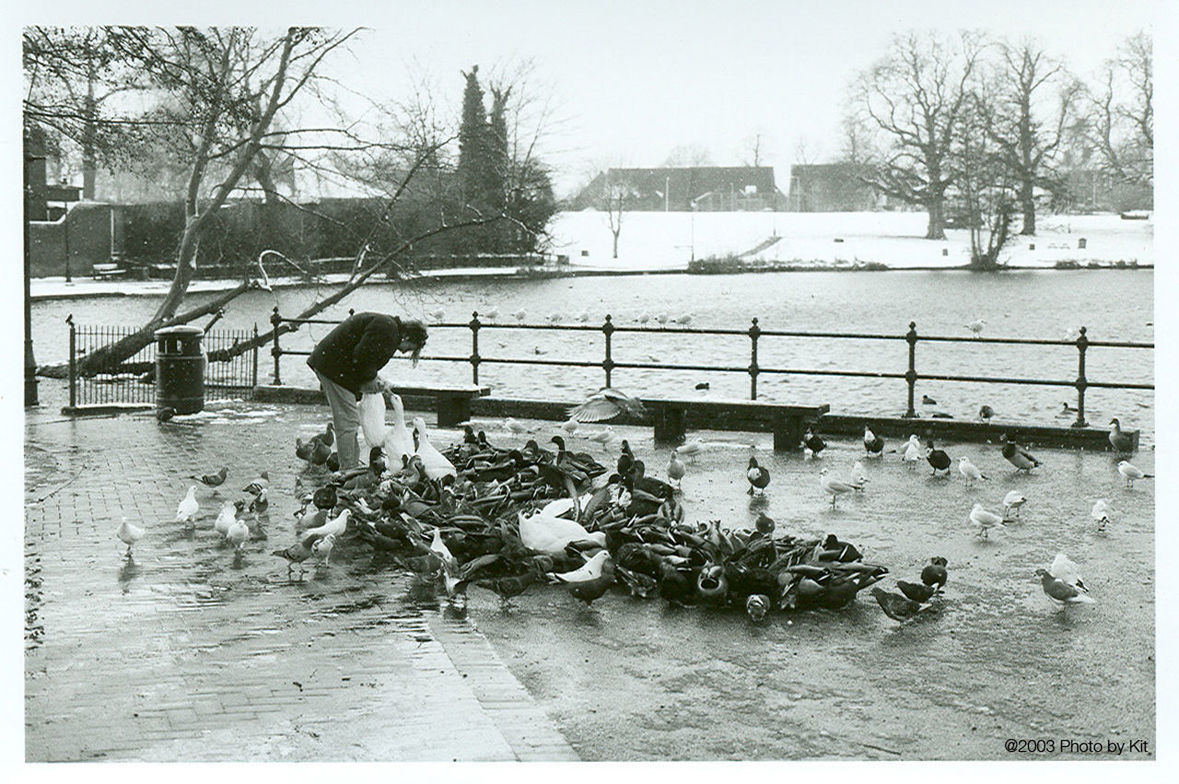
(474, 170)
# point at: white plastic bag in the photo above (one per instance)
(372, 419)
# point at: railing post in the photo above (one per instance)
(73, 362)
(754, 333)
(911, 373)
(276, 350)
(1081, 383)
(474, 325)
(254, 369)
(608, 362)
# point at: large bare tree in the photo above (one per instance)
(908, 108)
(1033, 102)
(1121, 112)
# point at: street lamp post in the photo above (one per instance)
(30, 362)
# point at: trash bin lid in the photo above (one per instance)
(182, 330)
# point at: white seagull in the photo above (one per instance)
(515, 425)
(519, 315)
(834, 487)
(1065, 570)
(914, 452)
(692, 448)
(1100, 512)
(976, 326)
(985, 520)
(970, 471)
(1131, 472)
(1013, 501)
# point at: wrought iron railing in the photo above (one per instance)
(755, 334)
(132, 381)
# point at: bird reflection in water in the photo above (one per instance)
(128, 572)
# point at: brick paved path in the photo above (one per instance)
(186, 653)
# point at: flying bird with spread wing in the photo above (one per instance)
(604, 405)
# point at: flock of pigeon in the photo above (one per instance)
(506, 518)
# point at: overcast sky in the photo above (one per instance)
(633, 80)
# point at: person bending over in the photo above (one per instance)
(348, 361)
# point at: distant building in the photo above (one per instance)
(681, 188)
(831, 187)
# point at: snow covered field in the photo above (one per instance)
(670, 239)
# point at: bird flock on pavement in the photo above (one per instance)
(505, 518)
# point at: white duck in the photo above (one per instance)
(398, 442)
(562, 505)
(129, 534)
(188, 506)
(437, 466)
(914, 452)
(548, 534)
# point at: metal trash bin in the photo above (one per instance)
(180, 369)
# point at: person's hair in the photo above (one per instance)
(414, 331)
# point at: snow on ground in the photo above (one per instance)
(667, 240)
(895, 239)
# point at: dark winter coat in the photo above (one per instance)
(353, 353)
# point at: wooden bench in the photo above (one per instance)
(787, 422)
(453, 402)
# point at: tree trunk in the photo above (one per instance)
(936, 229)
(1027, 203)
(616, 244)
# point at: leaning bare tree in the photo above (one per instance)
(908, 108)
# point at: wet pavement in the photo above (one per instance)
(188, 653)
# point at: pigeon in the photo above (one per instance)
(970, 471)
(985, 413)
(590, 590)
(1014, 500)
(758, 477)
(873, 444)
(1064, 569)
(913, 451)
(238, 533)
(606, 404)
(260, 502)
(895, 606)
(938, 460)
(834, 487)
(1131, 472)
(257, 485)
(590, 570)
(213, 480)
(188, 506)
(675, 468)
(641, 585)
(917, 593)
(1061, 592)
(934, 572)
(1121, 443)
(509, 587)
(926, 400)
(812, 445)
(1017, 455)
(228, 513)
(626, 459)
(299, 552)
(323, 547)
(985, 520)
(129, 534)
(756, 606)
(976, 326)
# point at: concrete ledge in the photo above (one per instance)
(828, 424)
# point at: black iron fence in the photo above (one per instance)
(228, 373)
(755, 334)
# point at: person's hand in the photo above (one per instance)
(371, 387)
(384, 384)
